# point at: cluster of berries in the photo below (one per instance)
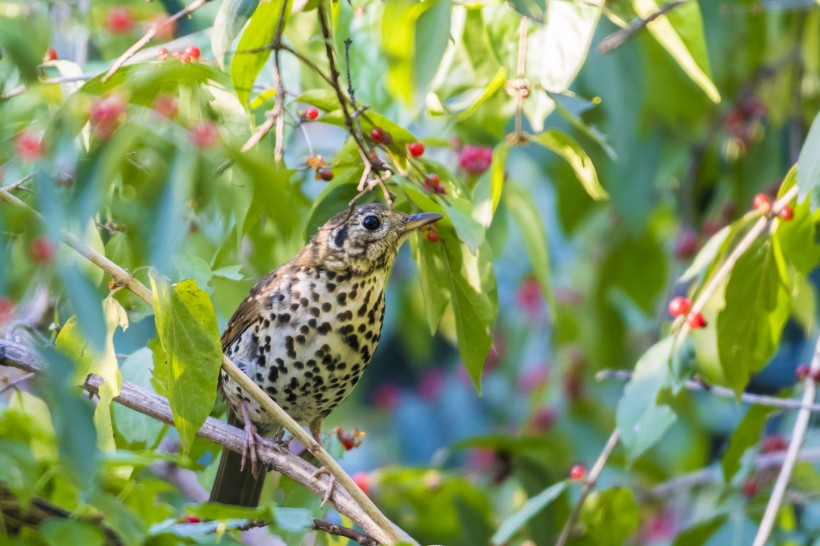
(188, 55)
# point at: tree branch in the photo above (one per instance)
(799, 433)
(149, 35)
(384, 531)
(589, 484)
(619, 38)
(334, 529)
(155, 406)
(757, 399)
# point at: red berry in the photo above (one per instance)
(577, 472)
(686, 245)
(347, 442)
(529, 296)
(679, 306)
(192, 51)
(786, 213)
(815, 375)
(311, 113)
(162, 53)
(696, 320)
(475, 159)
(6, 309)
(543, 419)
(386, 397)
(433, 179)
(416, 149)
(191, 519)
(362, 479)
(802, 372)
(750, 487)
(761, 202)
(186, 57)
(774, 443)
(205, 134)
(325, 174)
(432, 236)
(381, 136)
(119, 20)
(29, 145)
(165, 105)
(42, 249)
(51, 55)
(105, 113)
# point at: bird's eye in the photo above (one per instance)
(371, 222)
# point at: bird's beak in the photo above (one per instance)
(415, 221)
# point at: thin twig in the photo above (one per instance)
(385, 529)
(756, 399)
(334, 529)
(149, 35)
(589, 484)
(521, 86)
(12, 384)
(14, 185)
(713, 473)
(350, 90)
(155, 406)
(619, 38)
(799, 433)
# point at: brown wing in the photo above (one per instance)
(263, 296)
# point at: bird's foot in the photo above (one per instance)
(252, 439)
(330, 485)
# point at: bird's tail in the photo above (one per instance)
(232, 485)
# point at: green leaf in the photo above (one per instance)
(258, 34)
(229, 20)
(531, 508)
(59, 532)
(414, 37)
(566, 146)
(699, 534)
(799, 239)
(757, 304)
(186, 326)
(432, 268)
(489, 187)
(808, 166)
(534, 234)
(680, 32)
(642, 421)
(707, 254)
(134, 426)
(745, 436)
(610, 516)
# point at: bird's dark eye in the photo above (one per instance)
(371, 222)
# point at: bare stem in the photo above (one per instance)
(757, 399)
(589, 485)
(521, 74)
(387, 532)
(149, 35)
(792, 454)
(619, 38)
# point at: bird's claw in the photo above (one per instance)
(252, 439)
(330, 485)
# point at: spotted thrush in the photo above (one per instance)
(307, 331)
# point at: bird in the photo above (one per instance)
(306, 332)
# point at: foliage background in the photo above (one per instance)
(558, 259)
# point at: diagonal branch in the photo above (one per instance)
(799, 433)
(757, 399)
(155, 406)
(149, 35)
(619, 38)
(386, 530)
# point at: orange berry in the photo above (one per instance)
(786, 213)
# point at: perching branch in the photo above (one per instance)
(619, 38)
(155, 406)
(149, 35)
(334, 529)
(589, 484)
(385, 530)
(757, 399)
(799, 433)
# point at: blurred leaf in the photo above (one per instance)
(86, 304)
(642, 421)
(229, 20)
(808, 166)
(707, 254)
(700, 533)
(799, 238)
(135, 427)
(19, 470)
(746, 435)
(186, 326)
(680, 32)
(59, 532)
(534, 234)
(565, 146)
(106, 366)
(534, 9)
(493, 85)
(258, 34)
(488, 190)
(24, 36)
(129, 527)
(610, 516)
(512, 524)
(756, 309)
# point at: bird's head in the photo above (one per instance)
(365, 239)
